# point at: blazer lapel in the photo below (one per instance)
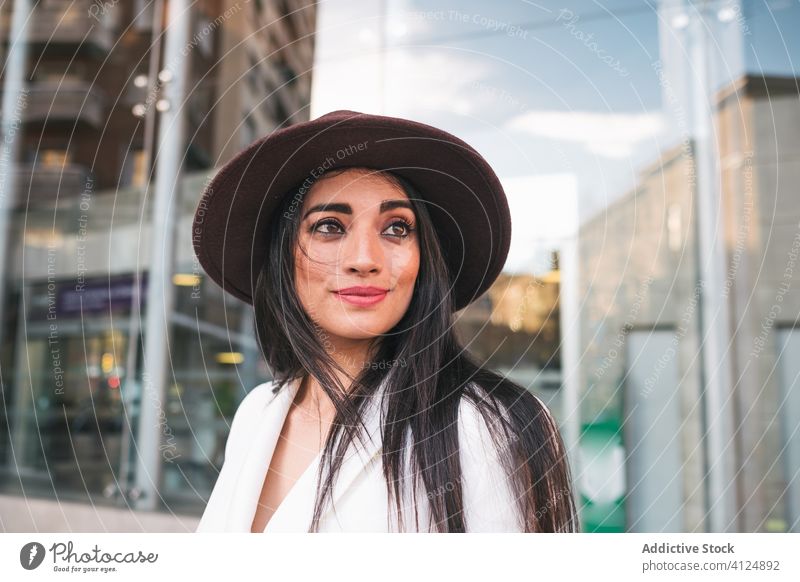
(250, 480)
(358, 457)
(297, 509)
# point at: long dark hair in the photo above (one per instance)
(423, 396)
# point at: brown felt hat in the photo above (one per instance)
(464, 197)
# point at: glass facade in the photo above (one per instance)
(73, 410)
(650, 154)
(86, 89)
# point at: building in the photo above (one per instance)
(72, 336)
(644, 422)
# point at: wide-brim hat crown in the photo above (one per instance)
(464, 196)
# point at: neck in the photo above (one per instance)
(352, 356)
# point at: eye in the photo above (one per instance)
(327, 226)
(399, 229)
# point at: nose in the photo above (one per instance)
(362, 252)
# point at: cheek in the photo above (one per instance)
(406, 268)
(308, 267)
(307, 281)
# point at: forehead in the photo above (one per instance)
(354, 186)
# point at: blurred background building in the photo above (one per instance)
(650, 153)
(81, 232)
(641, 284)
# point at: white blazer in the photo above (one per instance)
(360, 499)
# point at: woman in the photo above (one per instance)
(356, 237)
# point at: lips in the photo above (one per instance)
(362, 291)
(362, 296)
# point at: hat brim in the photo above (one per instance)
(465, 198)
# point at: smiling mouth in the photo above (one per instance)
(362, 296)
(362, 290)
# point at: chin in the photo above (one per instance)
(350, 329)
(353, 323)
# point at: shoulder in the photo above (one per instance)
(258, 397)
(490, 503)
(483, 427)
(249, 411)
(482, 413)
(472, 425)
(495, 456)
(216, 514)
(255, 400)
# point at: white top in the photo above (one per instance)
(360, 499)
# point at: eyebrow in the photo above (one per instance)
(345, 208)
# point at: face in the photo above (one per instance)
(358, 255)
